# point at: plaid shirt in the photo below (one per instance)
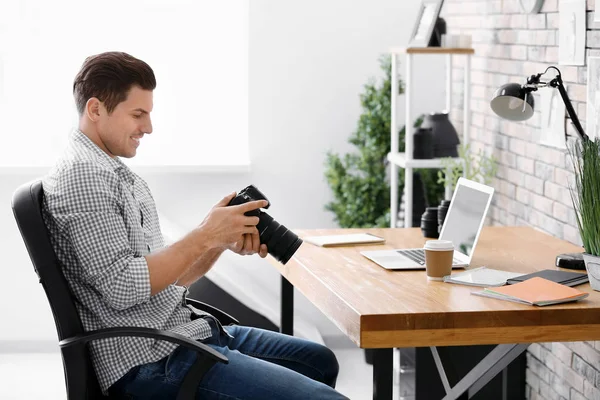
(102, 222)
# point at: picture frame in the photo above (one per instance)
(572, 32)
(427, 17)
(552, 132)
(593, 98)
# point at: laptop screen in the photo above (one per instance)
(465, 217)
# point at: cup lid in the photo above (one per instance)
(439, 245)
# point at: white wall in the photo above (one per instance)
(309, 61)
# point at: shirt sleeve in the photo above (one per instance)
(87, 206)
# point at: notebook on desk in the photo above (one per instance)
(344, 240)
(566, 278)
(482, 276)
(463, 224)
(535, 291)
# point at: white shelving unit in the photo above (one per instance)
(405, 160)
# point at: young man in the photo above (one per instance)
(105, 231)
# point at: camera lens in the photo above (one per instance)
(295, 243)
(429, 223)
(287, 244)
(264, 222)
(281, 242)
(442, 211)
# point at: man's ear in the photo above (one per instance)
(92, 109)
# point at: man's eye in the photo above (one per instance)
(137, 116)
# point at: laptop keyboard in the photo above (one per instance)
(418, 256)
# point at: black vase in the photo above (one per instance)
(423, 144)
(445, 138)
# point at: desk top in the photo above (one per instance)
(377, 308)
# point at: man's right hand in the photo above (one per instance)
(225, 225)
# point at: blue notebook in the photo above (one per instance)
(566, 278)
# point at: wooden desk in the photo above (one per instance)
(382, 309)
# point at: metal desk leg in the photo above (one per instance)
(492, 364)
(287, 307)
(383, 369)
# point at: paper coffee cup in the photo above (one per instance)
(438, 259)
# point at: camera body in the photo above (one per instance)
(247, 194)
(281, 242)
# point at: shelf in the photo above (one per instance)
(432, 50)
(405, 160)
(400, 160)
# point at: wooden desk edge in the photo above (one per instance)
(465, 337)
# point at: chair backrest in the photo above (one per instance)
(27, 208)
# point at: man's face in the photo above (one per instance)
(121, 131)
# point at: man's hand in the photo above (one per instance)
(249, 244)
(227, 225)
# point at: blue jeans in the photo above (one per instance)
(262, 365)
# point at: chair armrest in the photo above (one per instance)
(222, 316)
(147, 333)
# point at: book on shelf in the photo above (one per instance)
(482, 276)
(535, 291)
(566, 278)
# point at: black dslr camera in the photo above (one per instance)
(281, 242)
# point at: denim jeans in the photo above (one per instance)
(263, 365)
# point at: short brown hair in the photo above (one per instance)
(109, 77)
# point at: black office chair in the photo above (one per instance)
(80, 378)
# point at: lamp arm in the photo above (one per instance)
(558, 83)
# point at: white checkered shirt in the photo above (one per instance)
(103, 221)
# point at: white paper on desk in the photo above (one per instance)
(344, 240)
(482, 276)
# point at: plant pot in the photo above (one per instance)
(592, 266)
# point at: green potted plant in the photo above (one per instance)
(360, 180)
(584, 194)
(476, 167)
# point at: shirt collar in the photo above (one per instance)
(82, 142)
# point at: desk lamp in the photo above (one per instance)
(514, 102)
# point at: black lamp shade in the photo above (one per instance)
(512, 102)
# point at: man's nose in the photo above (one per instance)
(147, 127)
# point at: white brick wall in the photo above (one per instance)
(533, 180)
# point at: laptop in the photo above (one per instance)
(463, 224)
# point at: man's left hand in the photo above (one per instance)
(249, 244)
